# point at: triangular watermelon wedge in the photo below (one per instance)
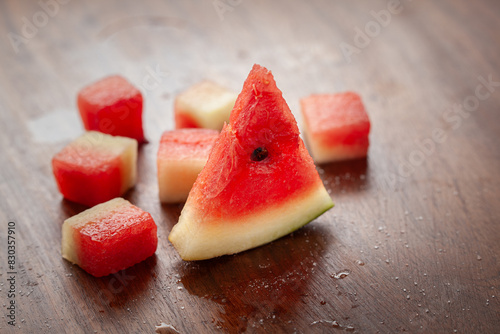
(259, 183)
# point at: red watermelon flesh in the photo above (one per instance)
(114, 106)
(72, 168)
(181, 157)
(336, 126)
(95, 168)
(259, 182)
(109, 237)
(184, 120)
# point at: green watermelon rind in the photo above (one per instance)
(201, 240)
(328, 207)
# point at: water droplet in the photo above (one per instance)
(479, 258)
(165, 328)
(376, 247)
(333, 323)
(341, 274)
(361, 263)
(407, 296)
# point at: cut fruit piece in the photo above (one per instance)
(259, 183)
(114, 106)
(109, 237)
(205, 105)
(181, 157)
(336, 126)
(96, 167)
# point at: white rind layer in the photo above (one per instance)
(176, 178)
(195, 240)
(207, 103)
(72, 225)
(324, 154)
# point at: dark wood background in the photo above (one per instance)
(415, 226)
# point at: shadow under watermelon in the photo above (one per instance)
(345, 176)
(110, 294)
(261, 287)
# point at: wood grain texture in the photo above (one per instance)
(416, 225)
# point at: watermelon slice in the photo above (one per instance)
(336, 126)
(114, 106)
(181, 157)
(205, 105)
(96, 167)
(259, 183)
(109, 237)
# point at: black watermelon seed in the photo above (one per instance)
(259, 154)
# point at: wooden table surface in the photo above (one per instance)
(413, 243)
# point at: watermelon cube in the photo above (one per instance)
(336, 126)
(96, 167)
(181, 157)
(205, 105)
(109, 237)
(114, 106)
